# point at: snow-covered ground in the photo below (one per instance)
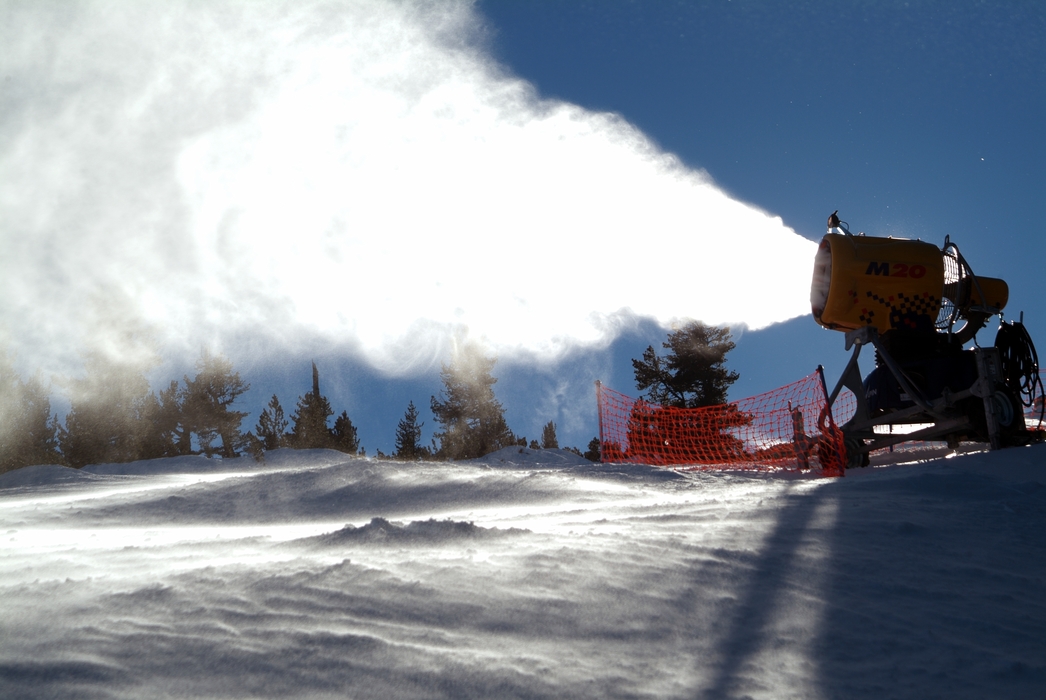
(527, 574)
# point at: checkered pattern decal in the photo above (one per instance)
(906, 311)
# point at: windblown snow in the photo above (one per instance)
(528, 574)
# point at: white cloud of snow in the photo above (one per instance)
(359, 175)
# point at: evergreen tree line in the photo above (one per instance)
(308, 426)
(472, 420)
(114, 417)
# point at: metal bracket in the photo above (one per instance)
(989, 373)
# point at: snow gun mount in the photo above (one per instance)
(918, 305)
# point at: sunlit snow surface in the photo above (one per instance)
(528, 574)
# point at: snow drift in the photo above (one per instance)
(524, 574)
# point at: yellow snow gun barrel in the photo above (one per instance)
(986, 295)
(895, 283)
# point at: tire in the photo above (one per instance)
(1008, 416)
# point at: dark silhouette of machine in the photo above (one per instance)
(919, 306)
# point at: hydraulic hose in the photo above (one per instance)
(1020, 363)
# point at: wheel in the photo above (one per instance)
(1006, 413)
(1008, 417)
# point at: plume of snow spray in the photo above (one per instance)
(359, 175)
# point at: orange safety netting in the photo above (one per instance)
(787, 428)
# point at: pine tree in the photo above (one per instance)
(153, 444)
(208, 397)
(10, 410)
(310, 418)
(408, 436)
(40, 442)
(175, 433)
(692, 373)
(473, 421)
(163, 432)
(106, 420)
(548, 437)
(592, 453)
(272, 425)
(343, 435)
(310, 422)
(253, 446)
(28, 431)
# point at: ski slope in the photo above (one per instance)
(527, 574)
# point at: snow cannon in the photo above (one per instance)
(918, 305)
(894, 284)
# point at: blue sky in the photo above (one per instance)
(173, 171)
(915, 120)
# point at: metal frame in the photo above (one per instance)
(944, 416)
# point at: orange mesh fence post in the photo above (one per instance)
(787, 428)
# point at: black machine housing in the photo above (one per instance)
(928, 386)
(954, 394)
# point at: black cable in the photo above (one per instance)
(1020, 363)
